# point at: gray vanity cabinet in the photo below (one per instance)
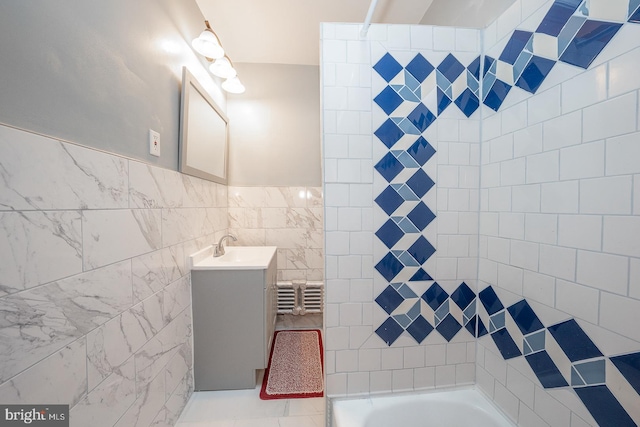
(234, 314)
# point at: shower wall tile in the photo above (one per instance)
(95, 288)
(623, 73)
(584, 161)
(585, 89)
(553, 229)
(576, 259)
(614, 117)
(620, 154)
(355, 224)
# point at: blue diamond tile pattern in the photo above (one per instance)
(534, 73)
(604, 407)
(587, 44)
(505, 344)
(389, 267)
(419, 329)
(389, 167)
(389, 299)
(418, 90)
(421, 151)
(525, 318)
(389, 331)
(490, 301)
(420, 276)
(389, 200)
(448, 327)
(497, 94)
(420, 183)
(421, 118)
(546, 370)
(468, 102)
(390, 233)
(435, 296)
(574, 341)
(389, 133)
(388, 100)
(474, 67)
(421, 216)
(579, 41)
(629, 367)
(515, 46)
(463, 296)
(635, 17)
(420, 68)
(588, 375)
(387, 67)
(408, 311)
(557, 17)
(451, 68)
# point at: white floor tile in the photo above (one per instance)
(244, 408)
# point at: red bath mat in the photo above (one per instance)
(295, 366)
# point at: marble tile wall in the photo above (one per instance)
(95, 306)
(290, 218)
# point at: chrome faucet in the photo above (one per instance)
(218, 250)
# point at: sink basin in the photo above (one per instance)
(235, 258)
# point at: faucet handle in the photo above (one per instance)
(218, 250)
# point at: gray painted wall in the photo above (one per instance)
(99, 73)
(274, 127)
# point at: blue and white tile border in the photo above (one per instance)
(417, 93)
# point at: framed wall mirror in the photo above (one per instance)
(203, 133)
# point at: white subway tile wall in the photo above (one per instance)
(555, 180)
(576, 259)
(358, 360)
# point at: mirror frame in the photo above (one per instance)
(191, 87)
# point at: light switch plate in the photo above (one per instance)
(154, 143)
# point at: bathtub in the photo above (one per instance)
(453, 408)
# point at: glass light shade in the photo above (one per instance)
(233, 85)
(207, 44)
(223, 68)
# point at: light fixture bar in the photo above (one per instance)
(208, 44)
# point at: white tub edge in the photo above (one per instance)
(360, 406)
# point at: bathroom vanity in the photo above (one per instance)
(234, 315)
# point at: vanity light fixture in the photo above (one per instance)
(208, 45)
(233, 85)
(223, 68)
